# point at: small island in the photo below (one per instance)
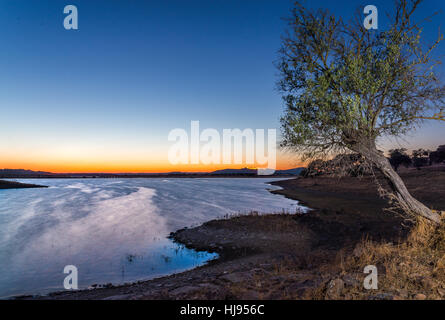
(4, 184)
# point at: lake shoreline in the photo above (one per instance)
(283, 256)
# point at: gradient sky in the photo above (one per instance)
(105, 97)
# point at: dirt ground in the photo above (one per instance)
(360, 195)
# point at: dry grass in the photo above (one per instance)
(410, 269)
(414, 266)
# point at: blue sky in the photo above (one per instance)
(112, 90)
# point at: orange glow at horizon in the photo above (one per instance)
(91, 157)
(109, 168)
(128, 166)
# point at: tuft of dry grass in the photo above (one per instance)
(408, 270)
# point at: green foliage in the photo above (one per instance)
(345, 86)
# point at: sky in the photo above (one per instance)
(104, 98)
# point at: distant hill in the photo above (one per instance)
(294, 171)
(15, 173)
(235, 171)
(22, 173)
(247, 171)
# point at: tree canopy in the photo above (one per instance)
(344, 85)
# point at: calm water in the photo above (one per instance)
(113, 230)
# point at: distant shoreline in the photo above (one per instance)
(225, 173)
(149, 176)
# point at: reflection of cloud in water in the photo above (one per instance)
(83, 187)
(113, 230)
(111, 227)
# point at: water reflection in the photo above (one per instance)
(113, 230)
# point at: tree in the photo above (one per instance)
(344, 87)
(398, 157)
(420, 158)
(438, 156)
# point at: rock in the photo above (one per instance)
(334, 289)
(420, 296)
(441, 292)
(183, 290)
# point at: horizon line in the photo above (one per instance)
(144, 172)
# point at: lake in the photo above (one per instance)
(114, 230)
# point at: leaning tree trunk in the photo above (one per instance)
(404, 199)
